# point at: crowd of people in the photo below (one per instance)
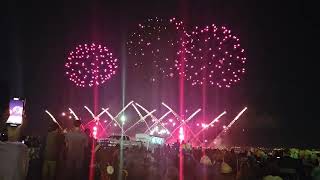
(75, 154)
(181, 159)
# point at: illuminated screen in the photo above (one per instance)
(16, 112)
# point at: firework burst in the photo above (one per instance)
(90, 65)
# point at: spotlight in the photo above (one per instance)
(123, 119)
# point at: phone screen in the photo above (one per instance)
(16, 112)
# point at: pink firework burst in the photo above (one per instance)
(213, 56)
(90, 65)
(157, 40)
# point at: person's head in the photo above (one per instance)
(14, 132)
(77, 123)
(65, 130)
(53, 127)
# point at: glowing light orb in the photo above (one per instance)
(181, 134)
(95, 132)
(90, 65)
(157, 41)
(213, 56)
(123, 118)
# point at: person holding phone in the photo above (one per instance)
(14, 154)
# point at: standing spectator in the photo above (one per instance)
(34, 149)
(87, 154)
(61, 159)
(14, 156)
(51, 153)
(205, 169)
(76, 142)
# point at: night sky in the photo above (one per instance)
(279, 87)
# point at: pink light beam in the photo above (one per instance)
(236, 118)
(93, 116)
(152, 116)
(184, 122)
(123, 109)
(141, 117)
(230, 124)
(159, 120)
(211, 123)
(113, 119)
